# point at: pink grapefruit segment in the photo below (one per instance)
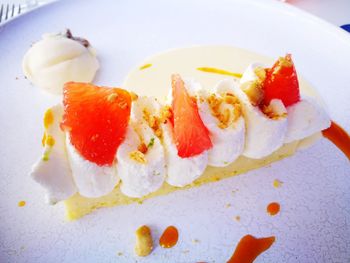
(96, 119)
(190, 134)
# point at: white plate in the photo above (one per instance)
(314, 224)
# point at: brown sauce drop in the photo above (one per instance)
(273, 208)
(169, 237)
(339, 137)
(249, 248)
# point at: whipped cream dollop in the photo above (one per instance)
(264, 134)
(52, 171)
(181, 171)
(92, 180)
(305, 118)
(140, 158)
(221, 113)
(57, 59)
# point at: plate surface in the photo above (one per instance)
(314, 222)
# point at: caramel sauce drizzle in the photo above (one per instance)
(249, 248)
(169, 237)
(339, 137)
(220, 71)
(273, 208)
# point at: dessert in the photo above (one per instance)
(59, 58)
(122, 147)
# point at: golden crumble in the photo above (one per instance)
(138, 157)
(133, 96)
(144, 242)
(269, 112)
(225, 116)
(254, 91)
(153, 122)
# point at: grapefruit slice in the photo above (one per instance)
(190, 134)
(282, 82)
(96, 119)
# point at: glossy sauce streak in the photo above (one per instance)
(169, 237)
(48, 118)
(145, 66)
(249, 248)
(21, 203)
(273, 208)
(339, 137)
(220, 71)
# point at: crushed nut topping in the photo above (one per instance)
(133, 96)
(81, 40)
(166, 114)
(260, 73)
(144, 242)
(153, 122)
(225, 116)
(254, 91)
(269, 112)
(138, 157)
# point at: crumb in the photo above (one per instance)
(228, 205)
(144, 242)
(21, 203)
(17, 78)
(195, 241)
(120, 254)
(277, 183)
(138, 156)
(238, 218)
(133, 96)
(234, 191)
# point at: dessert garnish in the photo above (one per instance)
(21, 203)
(191, 136)
(249, 248)
(144, 242)
(169, 237)
(273, 208)
(96, 120)
(59, 58)
(220, 71)
(339, 137)
(145, 66)
(277, 183)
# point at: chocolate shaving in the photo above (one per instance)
(81, 40)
